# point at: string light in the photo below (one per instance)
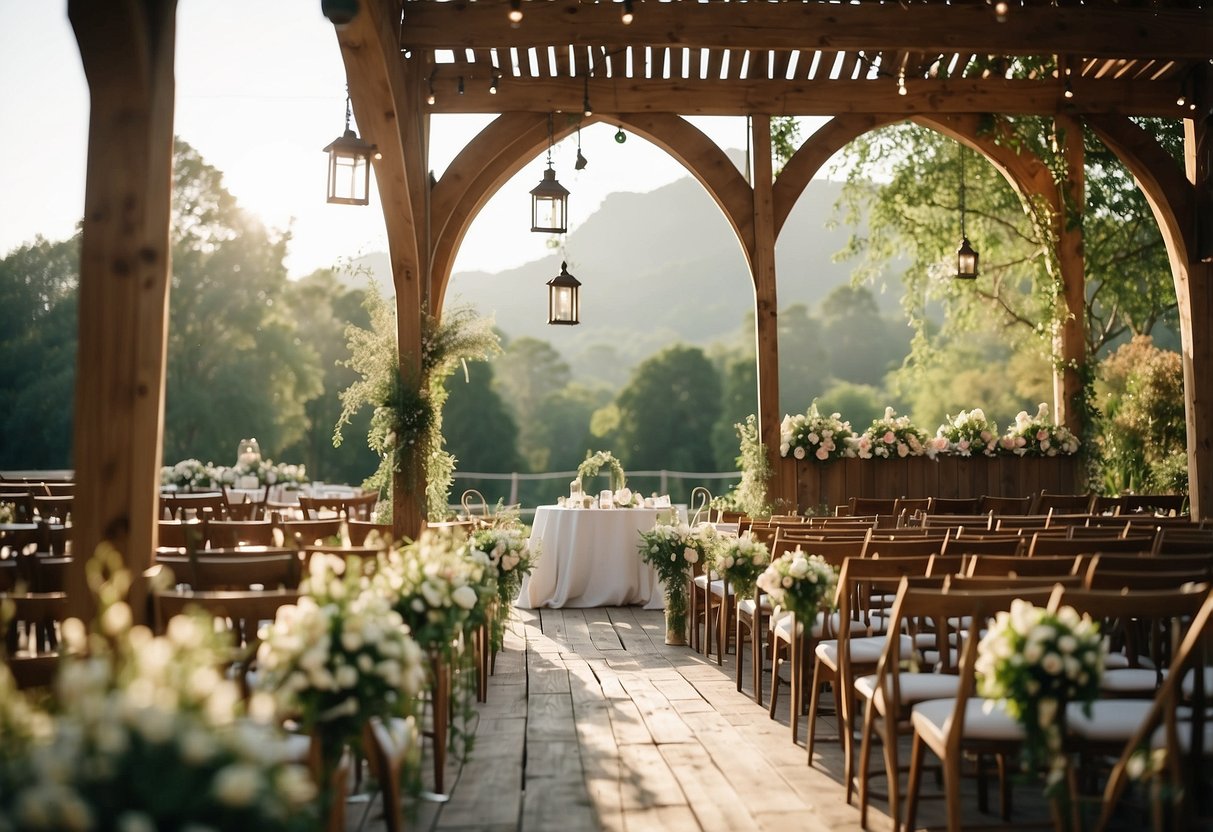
(515, 13)
(1000, 11)
(585, 98)
(627, 17)
(493, 83)
(461, 85)
(431, 98)
(901, 82)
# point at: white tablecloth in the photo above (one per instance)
(590, 558)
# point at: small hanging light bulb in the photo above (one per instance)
(627, 17)
(461, 85)
(515, 13)
(901, 83)
(1000, 11)
(493, 84)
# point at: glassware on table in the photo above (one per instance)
(575, 489)
(606, 498)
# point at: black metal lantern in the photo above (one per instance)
(564, 298)
(350, 166)
(339, 12)
(966, 257)
(549, 199)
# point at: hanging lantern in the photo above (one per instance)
(549, 199)
(966, 261)
(564, 298)
(350, 166)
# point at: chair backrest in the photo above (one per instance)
(1016, 522)
(1044, 502)
(978, 546)
(953, 505)
(274, 569)
(1102, 577)
(354, 508)
(223, 534)
(53, 509)
(1165, 504)
(310, 532)
(873, 505)
(833, 552)
(1024, 567)
(1047, 545)
(361, 529)
(246, 605)
(1003, 505)
(903, 547)
(1128, 561)
(188, 506)
(907, 506)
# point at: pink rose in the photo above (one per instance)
(1042, 434)
(963, 444)
(890, 438)
(902, 449)
(822, 453)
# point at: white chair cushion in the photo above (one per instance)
(862, 650)
(700, 581)
(1185, 730)
(1115, 661)
(784, 631)
(718, 588)
(1111, 720)
(1129, 680)
(933, 718)
(914, 687)
(746, 606)
(1189, 685)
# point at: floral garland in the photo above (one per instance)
(1035, 662)
(191, 473)
(894, 436)
(970, 431)
(741, 560)
(810, 433)
(671, 549)
(1037, 436)
(594, 462)
(801, 583)
(147, 733)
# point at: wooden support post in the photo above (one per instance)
(766, 309)
(1197, 306)
(1071, 346)
(127, 50)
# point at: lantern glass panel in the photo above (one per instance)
(349, 178)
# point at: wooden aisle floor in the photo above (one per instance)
(593, 723)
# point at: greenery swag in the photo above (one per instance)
(595, 462)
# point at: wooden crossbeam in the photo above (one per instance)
(821, 97)
(1147, 32)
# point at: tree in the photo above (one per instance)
(527, 372)
(739, 399)
(322, 307)
(237, 366)
(804, 364)
(38, 322)
(863, 345)
(479, 429)
(668, 410)
(859, 404)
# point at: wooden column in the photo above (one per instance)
(1196, 304)
(127, 49)
(385, 89)
(766, 309)
(1071, 342)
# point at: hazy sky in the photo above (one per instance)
(260, 90)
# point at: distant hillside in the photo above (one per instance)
(656, 268)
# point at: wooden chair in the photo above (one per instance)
(1166, 727)
(229, 534)
(360, 507)
(388, 745)
(210, 570)
(1166, 504)
(950, 727)
(1044, 502)
(841, 660)
(53, 509)
(190, 506)
(310, 532)
(907, 507)
(1009, 546)
(1003, 505)
(237, 605)
(360, 530)
(952, 505)
(1014, 565)
(1045, 545)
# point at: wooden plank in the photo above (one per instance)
(678, 688)
(663, 722)
(602, 632)
(600, 762)
(553, 680)
(717, 805)
(553, 759)
(550, 717)
(626, 723)
(646, 781)
(556, 805)
(749, 770)
(663, 819)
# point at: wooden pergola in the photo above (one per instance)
(864, 64)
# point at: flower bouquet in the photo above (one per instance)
(894, 436)
(812, 434)
(1037, 436)
(672, 549)
(969, 432)
(741, 560)
(800, 583)
(339, 657)
(187, 474)
(626, 498)
(146, 734)
(1034, 662)
(507, 549)
(593, 463)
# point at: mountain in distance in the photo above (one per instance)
(657, 268)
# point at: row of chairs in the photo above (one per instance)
(226, 505)
(855, 616)
(1041, 503)
(210, 533)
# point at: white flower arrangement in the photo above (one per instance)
(741, 560)
(188, 473)
(801, 583)
(894, 436)
(146, 733)
(1034, 662)
(341, 655)
(672, 549)
(810, 434)
(626, 498)
(969, 432)
(595, 462)
(508, 550)
(440, 584)
(1037, 436)
(191, 473)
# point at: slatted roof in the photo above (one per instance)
(798, 57)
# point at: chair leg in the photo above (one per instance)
(814, 704)
(722, 635)
(756, 652)
(794, 703)
(951, 789)
(740, 652)
(865, 756)
(891, 767)
(915, 781)
(774, 676)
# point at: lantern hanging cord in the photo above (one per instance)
(348, 107)
(962, 192)
(549, 140)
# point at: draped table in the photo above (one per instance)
(590, 558)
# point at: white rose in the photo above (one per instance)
(465, 597)
(799, 453)
(784, 447)
(237, 785)
(347, 676)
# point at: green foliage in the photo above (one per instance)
(479, 429)
(750, 495)
(860, 404)
(1140, 391)
(528, 371)
(235, 355)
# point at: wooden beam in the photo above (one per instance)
(1149, 32)
(127, 49)
(766, 309)
(1071, 340)
(801, 97)
(387, 96)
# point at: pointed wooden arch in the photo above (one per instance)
(512, 141)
